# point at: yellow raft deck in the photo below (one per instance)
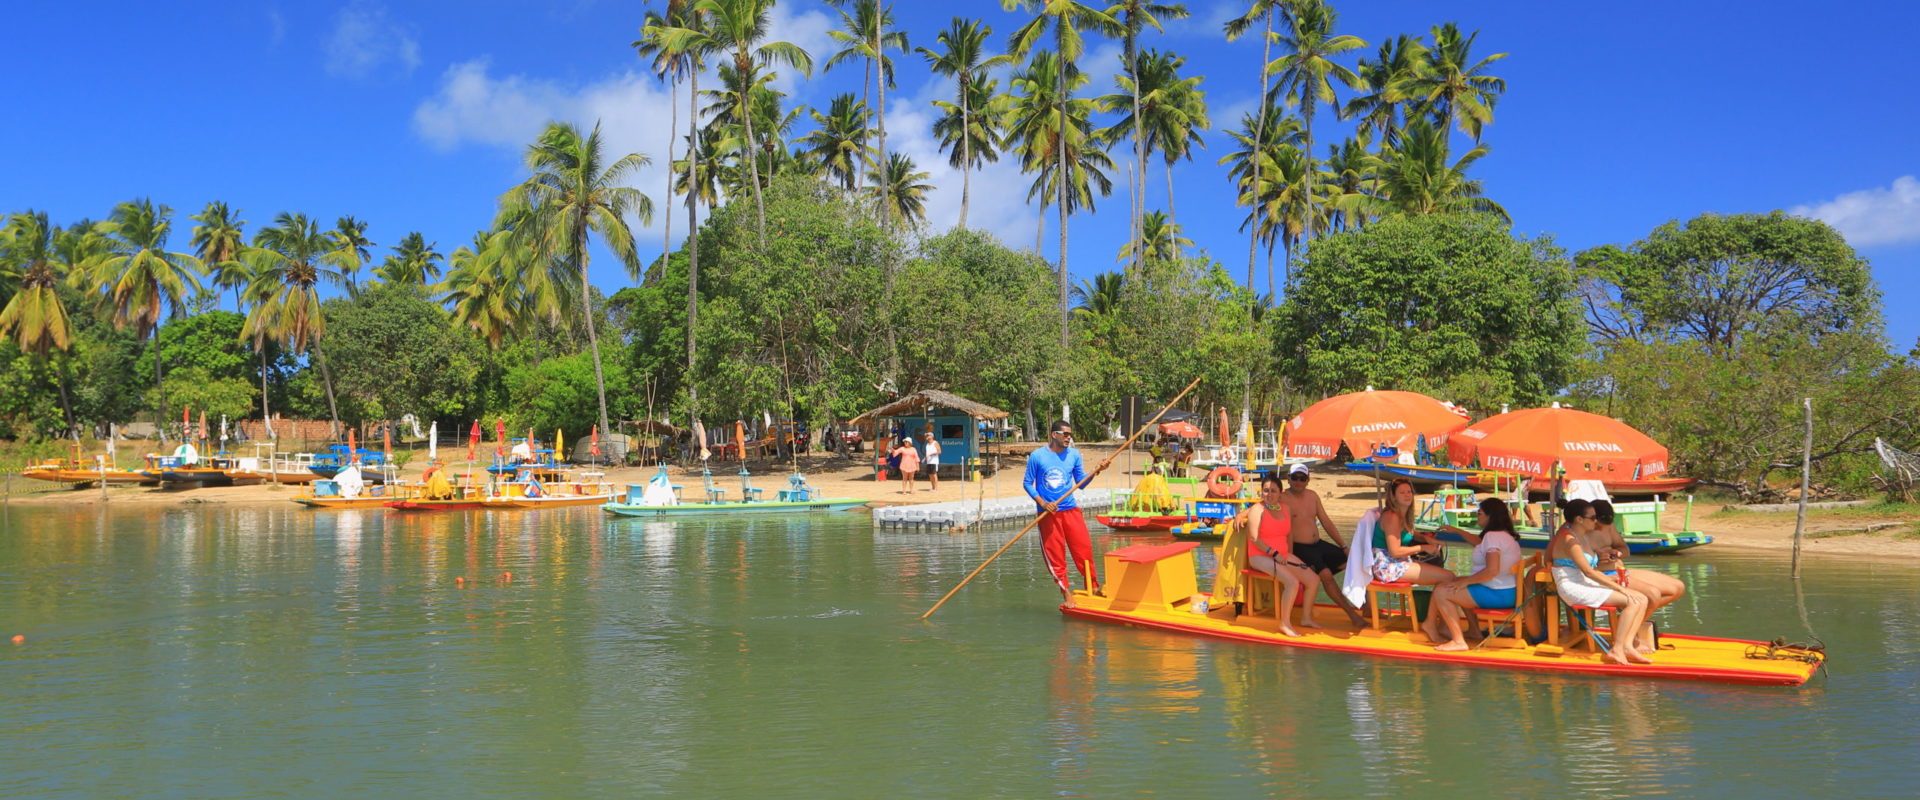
(1152, 586)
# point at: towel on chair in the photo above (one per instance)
(1360, 559)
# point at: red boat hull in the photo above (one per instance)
(436, 505)
(1160, 523)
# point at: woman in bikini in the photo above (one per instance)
(1659, 587)
(1491, 584)
(1579, 581)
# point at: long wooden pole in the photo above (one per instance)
(1806, 475)
(1101, 467)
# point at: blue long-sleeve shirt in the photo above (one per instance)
(1050, 475)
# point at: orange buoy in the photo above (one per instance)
(506, 577)
(460, 581)
(1224, 481)
(19, 638)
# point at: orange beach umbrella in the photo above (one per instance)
(500, 436)
(594, 448)
(1184, 430)
(353, 450)
(1369, 419)
(473, 440)
(386, 441)
(1531, 441)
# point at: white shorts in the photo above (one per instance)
(1577, 589)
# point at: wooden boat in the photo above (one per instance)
(1155, 586)
(1541, 488)
(273, 468)
(1148, 512)
(1420, 475)
(80, 474)
(1638, 522)
(186, 467)
(797, 498)
(336, 457)
(327, 493)
(552, 486)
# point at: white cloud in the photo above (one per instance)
(632, 109)
(808, 29)
(1868, 217)
(366, 39)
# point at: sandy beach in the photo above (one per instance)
(1347, 497)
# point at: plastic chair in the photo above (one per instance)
(1405, 607)
(715, 494)
(1510, 618)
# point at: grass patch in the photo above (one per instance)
(1878, 510)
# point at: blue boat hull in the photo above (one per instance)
(713, 509)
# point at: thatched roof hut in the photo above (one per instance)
(925, 400)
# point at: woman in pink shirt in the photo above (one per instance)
(909, 464)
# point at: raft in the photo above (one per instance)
(1154, 586)
(751, 507)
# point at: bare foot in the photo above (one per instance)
(1306, 621)
(1357, 620)
(1638, 658)
(1454, 646)
(1289, 632)
(1069, 603)
(1614, 657)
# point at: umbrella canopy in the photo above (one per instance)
(1370, 419)
(1226, 434)
(594, 447)
(1176, 415)
(473, 440)
(353, 448)
(1184, 430)
(1531, 441)
(433, 440)
(500, 436)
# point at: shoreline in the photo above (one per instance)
(840, 476)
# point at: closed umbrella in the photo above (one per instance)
(353, 449)
(700, 438)
(500, 436)
(433, 440)
(740, 438)
(559, 445)
(593, 448)
(473, 440)
(1590, 446)
(1370, 419)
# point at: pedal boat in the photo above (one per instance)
(1154, 586)
(1639, 523)
(736, 507)
(81, 475)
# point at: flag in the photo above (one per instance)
(559, 445)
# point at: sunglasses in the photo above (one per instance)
(1296, 477)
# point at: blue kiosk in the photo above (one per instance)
(954, 421)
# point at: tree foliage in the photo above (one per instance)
(394, 352)
(1455, 306)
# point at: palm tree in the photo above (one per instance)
(1261, 10)
(217, 242)
(1101, 295)
(482, 294)
(839, 146)
(141, 276)
(1448, 88)
(899, 187)
(1378, 110)
(972, 132)
(689, 39)
(1134, 16)
(770, 124)
(963, 58)
(737, 28)
(288, 262)
(1172, 111)
(1066, 18)
(1160, 241)
(868, 33)
(1348, 179)
(1415, 178)
(1288, 208)
(35, 318)
(572, 193)
(414, 262)
(1037, 125)
(669, 64)
(1310, 46)
(356, 250)
(1266, 138)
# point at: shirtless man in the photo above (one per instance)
(1322, 557)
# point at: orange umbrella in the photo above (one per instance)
(594, 449)
(500, 436)
(1369, 419)
(473, 439)
(353, 450)
(1184, 430)
(203, 424)
(740, 438)
(386, 441)
(1531, 441)
(1226, 436)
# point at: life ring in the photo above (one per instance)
(1224, 481)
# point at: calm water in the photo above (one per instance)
(217, 652)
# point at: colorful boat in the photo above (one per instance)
(81, 474)
(348, 489)
(187, 467)
(659, 497)
(266, 466)
(1420, 475)
(336, 457)
(1638, 523)
(552, 486)
(1156, 587)
(1627, 488)
(1155, 504)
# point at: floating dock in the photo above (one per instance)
(968, 513)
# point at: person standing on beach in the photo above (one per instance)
(1052, 472)
(932, 461)
(909, 463)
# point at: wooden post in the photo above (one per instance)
(1806, 475)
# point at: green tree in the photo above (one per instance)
(1257, 134)
(398, 354)
(1172, 112)
(288, 262)
(689, 38)
(1450, 85)
(209, 364)
(900, 189)
(217, 242)
(1378, 108)
(1066, 19)
(1304, 71)
(414, 262)
(838, 147)
(1384, 306)
(1415, 178)
(868, 34)
(354, 249)
(1134, 17)
(141, 277)
(35, 316)
(738, 28)
(572, 194)
(1160, 239)
(963, 58)
(1718, 278)
(669, 64)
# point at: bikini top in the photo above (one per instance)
(1380, 537)
(1592, 561)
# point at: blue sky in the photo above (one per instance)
(413, 115)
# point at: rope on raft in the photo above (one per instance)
(1782, 650)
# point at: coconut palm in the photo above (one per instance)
(972, 132)
(356, 250)
(480, 290)
(217, 242)
(736, 28)
(900, 188)
(1160, 240)
(1172, 111)
(1260, 11)
(1065, 19)
(572, 194)
(963, 58)
(141, 277)
(838, 147)
(1415, 178)
(1378, 110)
(771, 125)
(1288, 207)
(1101, 295)
(1252, 171)
(1036, 125)
(414, 262)
(868, 34)
(670, 65)
(1347, 179)
(1134, 17)
(687, 37)
(1449, 89)
(1309, 45)
(35, 318)
(289, 261)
